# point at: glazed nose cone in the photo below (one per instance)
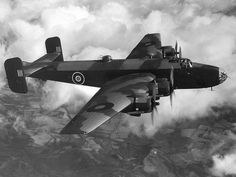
(222, 75)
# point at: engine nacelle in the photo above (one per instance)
(139, 106)
(168, 52)
(163, 87)
(144, 103)
(106, 58)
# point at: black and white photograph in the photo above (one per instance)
(117, 88)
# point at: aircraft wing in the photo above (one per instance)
(149, 46)
(111, 99)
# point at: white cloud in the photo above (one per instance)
(5, 9)
(67, 18)
(224, 165)
(58, 94)
(97, 52)
(89, 29)
(28, 45)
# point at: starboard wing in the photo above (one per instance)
(149, 46)
(108, 102)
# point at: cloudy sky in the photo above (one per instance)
(89, 29)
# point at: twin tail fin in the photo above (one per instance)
(17, 70)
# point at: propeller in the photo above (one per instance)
(154, 103)
(176, 48)
(154, 109)
(171, 85)
(180, 52)
(177, 52)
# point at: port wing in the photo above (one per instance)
(108, 102)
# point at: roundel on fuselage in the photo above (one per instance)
(78, 78)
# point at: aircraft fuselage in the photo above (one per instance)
(97, 72)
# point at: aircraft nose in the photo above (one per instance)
(222, 75)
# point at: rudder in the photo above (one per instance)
(53, 45)
(54, 51)
(15, 75)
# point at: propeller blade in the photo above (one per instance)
(180, 52)
(154, 90)
(172, 95)
(172, 77)
(155, 109)
(176, 48)
(154, 94)
(171, 85)
(153, 113)
(152, 117)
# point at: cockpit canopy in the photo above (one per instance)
(169, 53)
(185, 63)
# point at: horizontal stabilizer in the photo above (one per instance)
(15, 75)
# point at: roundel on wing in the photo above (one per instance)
(78, 78)
(100, 107)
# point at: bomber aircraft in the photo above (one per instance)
(132, 85)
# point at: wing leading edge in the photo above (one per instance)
(108, 102)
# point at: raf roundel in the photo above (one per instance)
(101, 107)
(78, 78)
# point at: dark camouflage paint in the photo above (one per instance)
(113, 92)
(97, 73)
(121, 80)
(149, 47)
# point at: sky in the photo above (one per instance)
(89, 29)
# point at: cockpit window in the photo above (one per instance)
(186, 63)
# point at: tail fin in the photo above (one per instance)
(16, 70)
(53, 45)
(54, 51)
(15, 75)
